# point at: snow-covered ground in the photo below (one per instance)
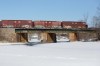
(53, 54)
(35, 38)
(62, 39)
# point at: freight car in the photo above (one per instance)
(42, 24)
(73, 25)
(47, 24)
(16, 23)
(0, 23)
(39, 24)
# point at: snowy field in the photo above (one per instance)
(53, 54)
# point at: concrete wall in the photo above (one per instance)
(7, 35)
(51, 37)
(73, 36)
(87, 35)
(22, 37)
(48, 37)
(98, 33)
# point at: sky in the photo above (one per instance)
(60, 10)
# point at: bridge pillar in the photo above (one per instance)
(73, 36)
(48, 37)
(22, 37)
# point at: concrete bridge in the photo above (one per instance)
(49, 35)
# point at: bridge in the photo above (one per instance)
(49, 35)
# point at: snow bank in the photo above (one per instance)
(51, 54)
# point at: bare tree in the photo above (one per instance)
(96, 19)
(85, 17)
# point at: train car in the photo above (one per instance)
(73, 24)
(0, 24)
(17, 23)
(32, 24)
(7, 23)
(39, 24)
(47, 24)
(26, 23)
(56, 24)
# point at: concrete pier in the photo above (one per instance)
(48, 37)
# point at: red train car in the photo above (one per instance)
(47, 24)
(17, 23)
(56, 24)
(39, 24)
(73, 24)
(6, 23)
(0, 24)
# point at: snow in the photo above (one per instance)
(62, 39)
(34, 38)
(51, 54)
